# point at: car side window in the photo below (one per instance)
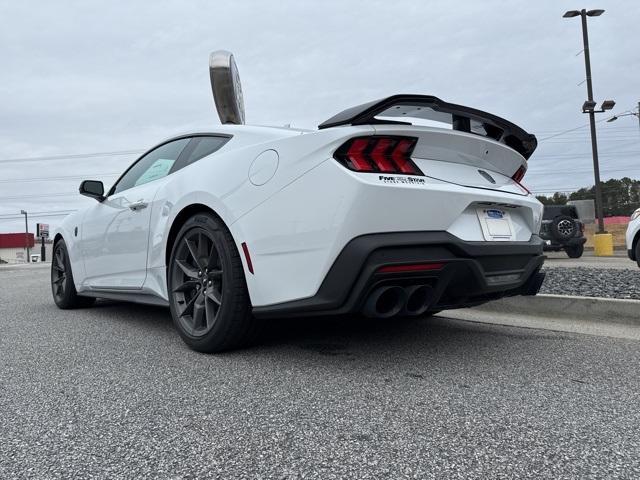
(199, 147)
(154, 165)
(205, 146)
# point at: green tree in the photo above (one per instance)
(619, 196)
(556, 199)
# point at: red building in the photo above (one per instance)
(16, 240)
(13, 247)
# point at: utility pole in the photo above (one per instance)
(592, 122)
(26, 237)
(589, 106)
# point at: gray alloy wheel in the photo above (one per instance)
(196, 282)
(59, 273)
(208, 294)
(62, 286)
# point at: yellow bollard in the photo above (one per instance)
(603, 245)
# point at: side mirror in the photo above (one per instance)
(92, 189)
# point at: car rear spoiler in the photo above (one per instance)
(427, 107)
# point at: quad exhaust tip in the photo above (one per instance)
(385, 302)
(419, 299)
(388, 301)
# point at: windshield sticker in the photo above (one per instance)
(160, 168)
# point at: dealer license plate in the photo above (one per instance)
(496, 224)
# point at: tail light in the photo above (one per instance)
(379, 154)
(518, 176)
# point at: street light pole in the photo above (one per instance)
(589, 107)
(26, 229)
(592, 122)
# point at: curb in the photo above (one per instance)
(593, 309)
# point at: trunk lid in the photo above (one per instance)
(462, 158)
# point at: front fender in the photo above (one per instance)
(69, 231)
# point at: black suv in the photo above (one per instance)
(561, 230)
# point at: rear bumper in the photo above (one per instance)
(473, 272)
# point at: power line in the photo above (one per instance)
(19, 217)
(615, 153)
(571, 130)
(44, 212)
(567, 131)
(39, 195)
(66, 177)
(573, 189)
(613, 126)
(554, 133)
(577, 131)
(611, 170)
(580, 139)
(72, 156)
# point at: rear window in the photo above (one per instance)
(552, 211)
(205, 146)
(199, 147)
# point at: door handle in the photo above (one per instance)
(139, 205)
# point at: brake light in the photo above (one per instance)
(518, 176)
(385, 154)
(355, 154)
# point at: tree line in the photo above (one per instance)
(619, 196)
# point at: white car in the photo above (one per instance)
(368, 214)
(633, 237)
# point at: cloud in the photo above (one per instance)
(82, 77)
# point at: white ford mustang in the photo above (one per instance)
(370, 213)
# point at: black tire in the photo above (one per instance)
(62, 287)
(207, 289)
(575, 251)
(563, 227)
(638, 252)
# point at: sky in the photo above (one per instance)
(80, 78)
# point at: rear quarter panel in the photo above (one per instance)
(221, 183)
(295, 236)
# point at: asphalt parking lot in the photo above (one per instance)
(618, 262)
(112, 391)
